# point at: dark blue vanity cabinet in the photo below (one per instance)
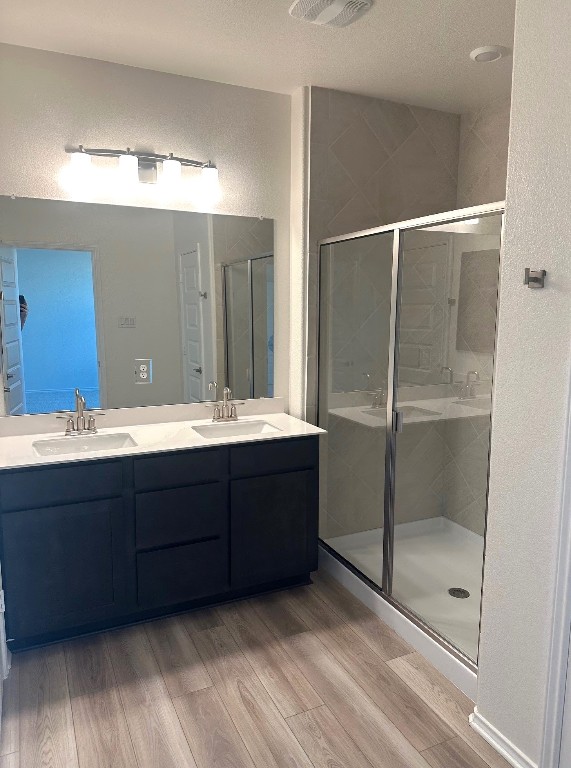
(91, 545)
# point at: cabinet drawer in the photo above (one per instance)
(274, 456)
(180, 515)
(178, 469)
(180, 574)
(36, 488)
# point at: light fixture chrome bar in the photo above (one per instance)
(149, 157)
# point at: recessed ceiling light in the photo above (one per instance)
(488, 53)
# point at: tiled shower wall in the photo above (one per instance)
(484, 137)
(375, 162)
(372, 162)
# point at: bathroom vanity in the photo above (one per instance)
(115, 539)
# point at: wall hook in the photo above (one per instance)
(534, 278)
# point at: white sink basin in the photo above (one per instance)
(83, 444)
(235, 429)
(481, 403)
(406, 410)
(414, 410)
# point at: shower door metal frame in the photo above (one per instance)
(398, 229)
(224, 268)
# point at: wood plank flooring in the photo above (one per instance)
(306, 678)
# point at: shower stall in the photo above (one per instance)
(248, 326)
(407, 327)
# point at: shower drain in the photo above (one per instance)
(459, 592)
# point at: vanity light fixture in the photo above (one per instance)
(172, 170)
(80, 161)
(142, 166)
(128, 169)
(210, 188)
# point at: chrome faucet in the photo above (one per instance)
(469, 388)
(79, 411)
(379, 400)
(76, 425)
(228, 411)
(450, 373)
(225, 410)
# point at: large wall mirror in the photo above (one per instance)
(134, 306)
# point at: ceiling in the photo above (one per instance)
(415, 51)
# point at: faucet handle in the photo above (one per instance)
(69, 425)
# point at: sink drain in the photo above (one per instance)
(459, 592)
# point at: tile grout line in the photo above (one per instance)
(363, 692)
(117, 688)
(348, 671)
(458, 734)
(63, 650)
(262, 682)
(324, 706)
(218, 693)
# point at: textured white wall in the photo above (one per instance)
(531, 383)
(51, 100)
(299, 234)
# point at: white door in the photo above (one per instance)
(423, 313)
(11, 334)
(192, 298)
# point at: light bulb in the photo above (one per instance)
(172, 170)
(77, 176)
(80, 162)
(129, 169)
(209, 182)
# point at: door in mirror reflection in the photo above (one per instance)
(355, 309)
(445, 334)
(58, 328)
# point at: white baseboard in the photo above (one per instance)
(498, 741)
(458, 674)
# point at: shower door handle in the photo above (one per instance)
(398, 421)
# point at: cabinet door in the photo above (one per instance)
(273, 523)
(59, 566)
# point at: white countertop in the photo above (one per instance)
(438, 409)
(18, 451)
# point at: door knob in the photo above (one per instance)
(198, 370)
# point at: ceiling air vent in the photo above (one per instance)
(330, 13)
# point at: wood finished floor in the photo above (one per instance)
(307, 678)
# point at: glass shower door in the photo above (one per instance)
(355, 310)
(448, 283)
(262, 275)
(237, 321)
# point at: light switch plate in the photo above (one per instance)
(143, 371)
